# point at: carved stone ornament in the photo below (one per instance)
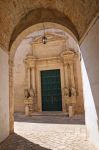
(31, 92)
(66, 92)
(26, 93)
(73, 91)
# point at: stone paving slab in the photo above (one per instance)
(47, 133)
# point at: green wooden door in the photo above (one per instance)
(51, 90)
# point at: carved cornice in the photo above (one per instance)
(68, 56)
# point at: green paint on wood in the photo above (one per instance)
(51, 90)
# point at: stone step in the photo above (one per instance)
(47, 113)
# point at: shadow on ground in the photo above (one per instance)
(50, 119)
(17, 142)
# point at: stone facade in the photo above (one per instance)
(68, 61)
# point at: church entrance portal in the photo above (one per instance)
(51, 90)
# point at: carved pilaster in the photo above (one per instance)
(66, 74)
(72, 75)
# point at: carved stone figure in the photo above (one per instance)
(26, 93)
(29, 101)
(31, 92)
(66, 92)
(66, 95)
(73, 91)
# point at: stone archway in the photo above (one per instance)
(89, 50)
(12, 54)
(41, 15)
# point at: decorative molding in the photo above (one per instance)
(69, 55)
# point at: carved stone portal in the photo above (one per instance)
(67, 59)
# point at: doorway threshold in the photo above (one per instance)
(50, 113)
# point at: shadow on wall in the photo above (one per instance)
(16, 142)
(49, 119)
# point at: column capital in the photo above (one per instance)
(68, 56)
(30, 61)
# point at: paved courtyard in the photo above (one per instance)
(47, 133)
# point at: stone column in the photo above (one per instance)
(11, 95)
(66, 86)
(65, 59)
(33, 83)
(73, 91)
(28, 77)
(66, 74)
(72, 75)
(33, 72)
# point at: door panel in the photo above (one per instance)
(51, 90)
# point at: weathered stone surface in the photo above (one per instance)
(4, 95)
(16, 15)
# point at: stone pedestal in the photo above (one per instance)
(71, 111)
(27, 110)
(28, 106)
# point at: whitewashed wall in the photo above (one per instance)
(90, 53)
(4, 95)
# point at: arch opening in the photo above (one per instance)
(51, 28)
(40, 15)
(61, 33)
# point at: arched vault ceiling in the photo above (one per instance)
(17, 15)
